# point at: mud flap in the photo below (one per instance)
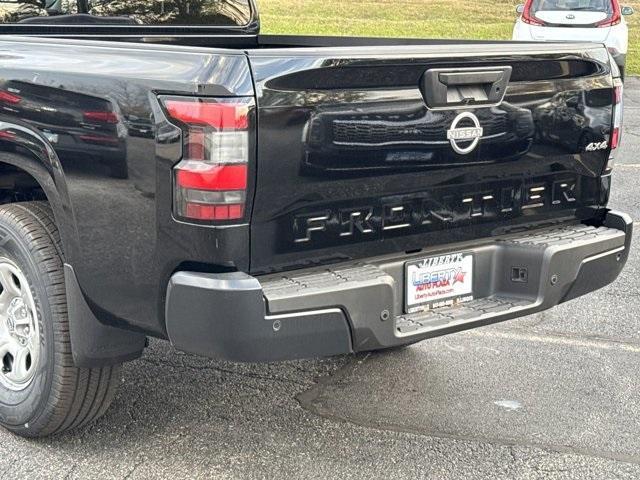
(94, 344)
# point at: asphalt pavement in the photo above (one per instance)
(553, 395)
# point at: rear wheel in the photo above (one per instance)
(41, 391)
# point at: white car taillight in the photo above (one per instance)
(615, 18)
(529, 17)
(210, 183)
(616, 129)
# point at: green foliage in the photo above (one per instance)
(479, 19)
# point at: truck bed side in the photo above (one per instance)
(83, 118)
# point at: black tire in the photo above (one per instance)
(60, 396)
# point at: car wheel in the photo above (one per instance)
(41, 391)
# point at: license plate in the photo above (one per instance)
(439, 281)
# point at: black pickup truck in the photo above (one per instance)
(167, 171)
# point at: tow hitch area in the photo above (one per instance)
(394, 300)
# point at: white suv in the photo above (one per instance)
(600, 21)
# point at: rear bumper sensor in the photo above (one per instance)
(361, 307)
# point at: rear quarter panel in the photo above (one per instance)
(111, 187)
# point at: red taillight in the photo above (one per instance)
(615, 18)
(616, 132)
(210, 183)
(215, 178)
(616, 129)
(8, 97)
(528, 16)
(202, 211)
(222, 116)
(100, 117)
(617, 94)
(615, 138)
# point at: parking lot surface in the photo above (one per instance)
(553, 395)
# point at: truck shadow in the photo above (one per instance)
(175, 396)
(504, 385)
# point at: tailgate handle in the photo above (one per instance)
(465, 87)
(470, 78)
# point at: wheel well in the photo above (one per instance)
(16, 185)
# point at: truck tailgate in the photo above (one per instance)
(364, 151)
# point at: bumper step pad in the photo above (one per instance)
(561, 235)
(563, 261)
(327, 280)
(450, 316)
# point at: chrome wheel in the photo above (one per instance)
(19, 330)
(42, 392)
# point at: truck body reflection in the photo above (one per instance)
(392, 136)
(120, 12)
(574, 119)
(78, 126)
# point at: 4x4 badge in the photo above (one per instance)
(466, 134)
(595, 146)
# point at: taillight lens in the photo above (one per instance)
(618, 92)
(616, 130)
(615, 18)
(616, 134)
(528, 15)
(210, 183)
(211, 113)
(615, 138)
